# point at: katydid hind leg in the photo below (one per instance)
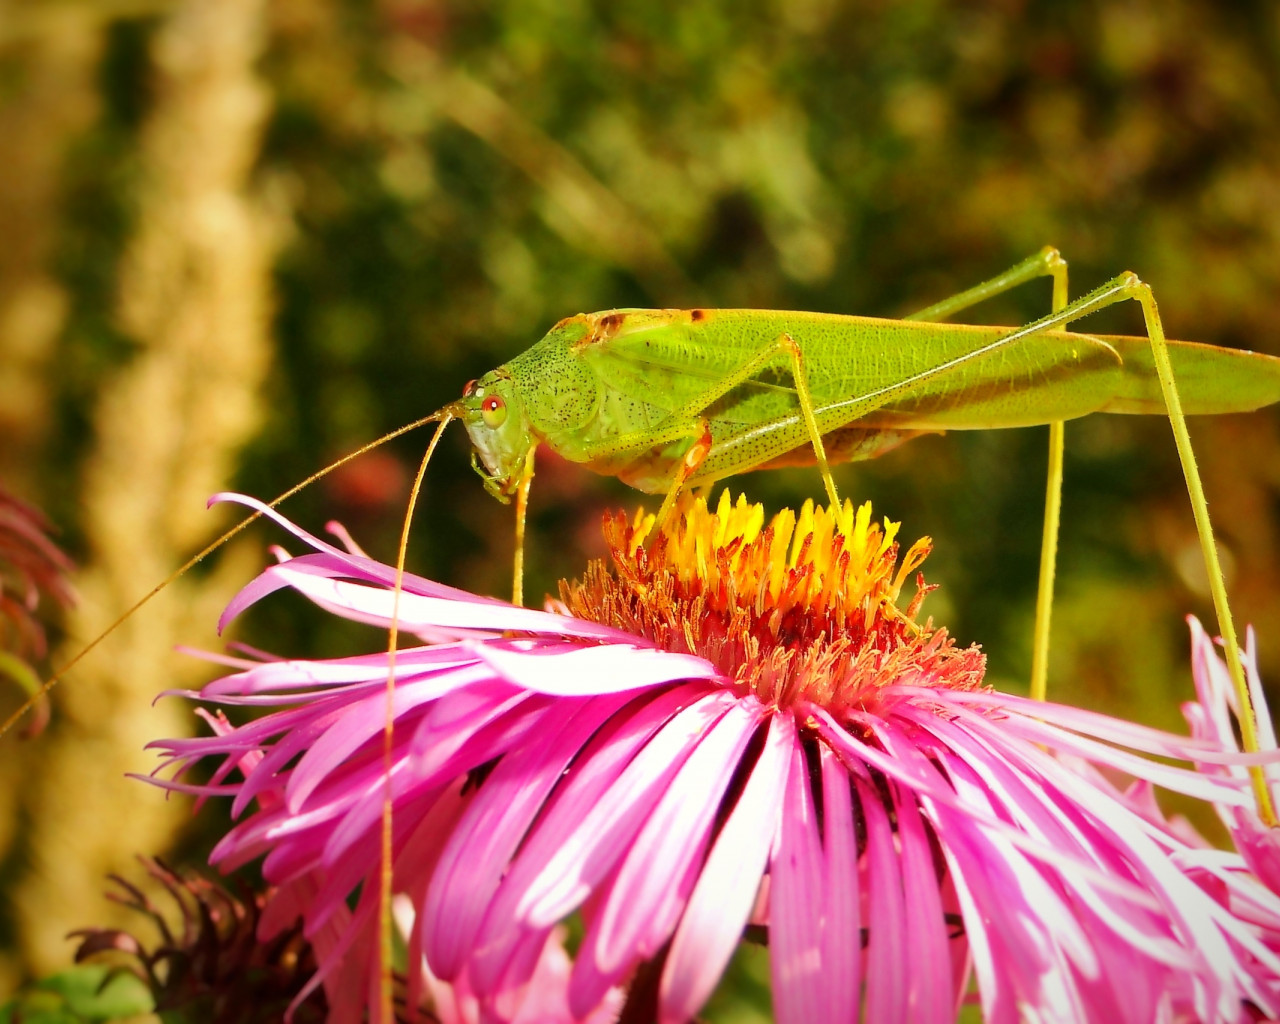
(1141, 293)
(1129, 287)
(1125, 287)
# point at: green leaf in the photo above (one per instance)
(88, 993)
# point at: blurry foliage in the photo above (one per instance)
(459, 175)
(85, 994)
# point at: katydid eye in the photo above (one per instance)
(493, 410)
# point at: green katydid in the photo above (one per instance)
(666, 399)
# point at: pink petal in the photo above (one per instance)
(795, 904)
(1054, 721)
(574, 671)
(938, 792)
(672, 837)
(888, 957)
(726, 889)
(360, 724)
(838, 988)
(1029, 805)
(589, 780)
(484, 841)
(451, 723)
(591, 850)
(931, 984)
(644, 900)
(492, 740)
(284, 676)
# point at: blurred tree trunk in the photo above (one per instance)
(53, 101)
(195, 297)
(48, 101)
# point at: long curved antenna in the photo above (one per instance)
(53, 680)
(386, 1004)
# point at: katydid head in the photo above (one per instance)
(494, 416)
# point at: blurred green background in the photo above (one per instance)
(241, 238)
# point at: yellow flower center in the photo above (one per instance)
(801, 609)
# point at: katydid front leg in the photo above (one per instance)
(522, 512)
(1047, 262)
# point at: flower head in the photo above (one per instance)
(737, 730)
(208, 965)
(796, 612)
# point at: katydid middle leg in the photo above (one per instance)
(676, 427)
(688, 421)
(1047, 262)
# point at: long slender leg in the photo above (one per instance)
(1047, 262)
(522, 511)
(687, 421)
(1049, 537)
(810, 419)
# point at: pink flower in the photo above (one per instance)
(736, 732)
(1210, 718)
